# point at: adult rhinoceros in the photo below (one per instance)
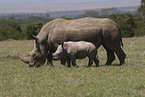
(97, 31)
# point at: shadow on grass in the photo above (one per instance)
(114, 65)
(104, 65)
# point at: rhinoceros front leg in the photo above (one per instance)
(63, 61)
(68, 62)
(73, 59)
(49, 60)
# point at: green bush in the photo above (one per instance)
(131, 25)
(32, 29)
(9, 30)
(32, 20)
(9, 34)
(140, 29)
(126, 23)
(2, 34)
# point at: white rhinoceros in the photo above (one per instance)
(97, 31)
(77, 50)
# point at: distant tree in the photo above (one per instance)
(32, 20)
(9, 30)
(140, 22)
(31, 29)
(90, 13)
(126, 23)
(3, 34)
(9, 24)
(12, 17)
(141, 9)
(109, 11)
(66, 18)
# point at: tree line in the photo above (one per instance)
(131, 25)
(21, 29)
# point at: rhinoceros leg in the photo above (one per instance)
(96, 61)
(110, 57)
(68, 62)
(49, 59)
(90, 62)
(63, 61)
(121, 55)
(73, 59)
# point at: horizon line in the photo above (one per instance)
(61, 8)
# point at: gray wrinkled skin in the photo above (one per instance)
(103, 32)
(77, 50)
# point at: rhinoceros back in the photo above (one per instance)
(88, 29)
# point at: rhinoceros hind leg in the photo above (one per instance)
(96, 61)
(121, 55)
(68, 62)
(90, 62)
(110, 56)
(74, 62)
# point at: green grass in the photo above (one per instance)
(18, 80)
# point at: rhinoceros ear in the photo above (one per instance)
(63, 46)
(34, 37)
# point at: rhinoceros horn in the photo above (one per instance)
(24, 59)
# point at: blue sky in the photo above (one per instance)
(61, 5)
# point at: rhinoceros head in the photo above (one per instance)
(33, 59)
(37, 57)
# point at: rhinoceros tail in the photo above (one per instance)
(120, 37)
(120, 34)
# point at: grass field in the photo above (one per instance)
(18, 80)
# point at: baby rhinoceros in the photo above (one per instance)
(76, 50)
